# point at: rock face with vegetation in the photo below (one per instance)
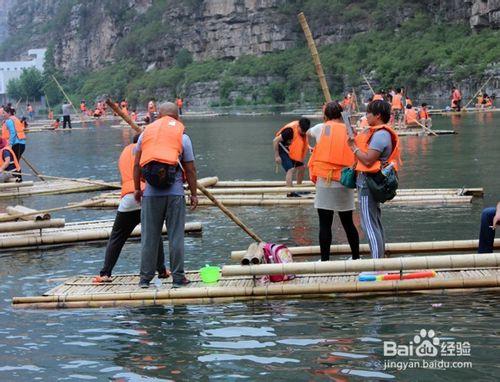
(221, 52)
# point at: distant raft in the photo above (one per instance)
(53, 187)
(313, 280)
(61, 233)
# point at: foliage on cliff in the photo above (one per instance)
(414, 57)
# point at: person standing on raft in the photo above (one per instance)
(164, 154)
(127, 218)
(13, 133)
(456, 99)
(330, 155)
(374, 148)
(397, 109)
(490, 219)
(290, 150)
(66, 113)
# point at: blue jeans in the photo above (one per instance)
(486, 234)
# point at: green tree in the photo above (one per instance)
(28, 86)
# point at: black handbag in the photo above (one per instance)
(159, 175)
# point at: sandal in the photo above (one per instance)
(102, 279)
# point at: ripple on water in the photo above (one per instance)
(253, 358)
(238, 344)
(235, 331)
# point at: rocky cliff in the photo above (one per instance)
(91, 34)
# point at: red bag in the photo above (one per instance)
(277, 254)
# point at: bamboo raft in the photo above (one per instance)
(391, 249)
(273, 193)
(313, 280)
(463, 111)
(68, 234)
(10, 190)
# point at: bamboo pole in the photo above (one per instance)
(368, 83)
(77, 180)
(394, 264)
(315, 56)
(391, 249)
(7, 185)
(31, 225)
(78, 205)
(33, 169)
(200, 186)
(273, 289)
(22, 210)
(65, 95)
(70, 234)
(481, 88)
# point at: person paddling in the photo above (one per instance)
(290, 150)
(127, 218)
(374, 148)
(13, 132)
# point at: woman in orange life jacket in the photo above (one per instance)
(127, 218)
(290, 149)
(8, 161)
(373, 148)
(330, 155)
(424, 116)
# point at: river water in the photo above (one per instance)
(301, 340)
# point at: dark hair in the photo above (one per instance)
(398, 90)
(136, 138)
(408, 106)
(424, 104)
(333, 110)
(304, 124)
(380, 108)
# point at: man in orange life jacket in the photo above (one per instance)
(456, 99)
(127, 218)
(8, 161)
(179, 102)
(163, 153)
(290, 149)
(374, 148)
(13, 132)
(410, 116)
(397, 108)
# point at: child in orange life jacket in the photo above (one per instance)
(55, 124)
(374, 148)
(290, 149)
(8, 161)
(424, 116)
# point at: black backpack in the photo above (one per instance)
(383, 187)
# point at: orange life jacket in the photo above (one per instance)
(126, 167)
(331, 154)
(162, 141)
(56, 124)
(363, 141)
(410, 116)
(423, 114)
(409, 101)
(18, 125)
(83, 107)
(298, 147)
(124, 110)
(13, 156)
(377, 97)
(397, 102)
(456, 95)
(179, 102)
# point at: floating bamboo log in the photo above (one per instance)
(31, 225)
(33, 214)
(208, 181)
(51, 188)
(75, 232)
(28, 183)
(391, 249)
(81, 293)
(394, 264)
(77, 180)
